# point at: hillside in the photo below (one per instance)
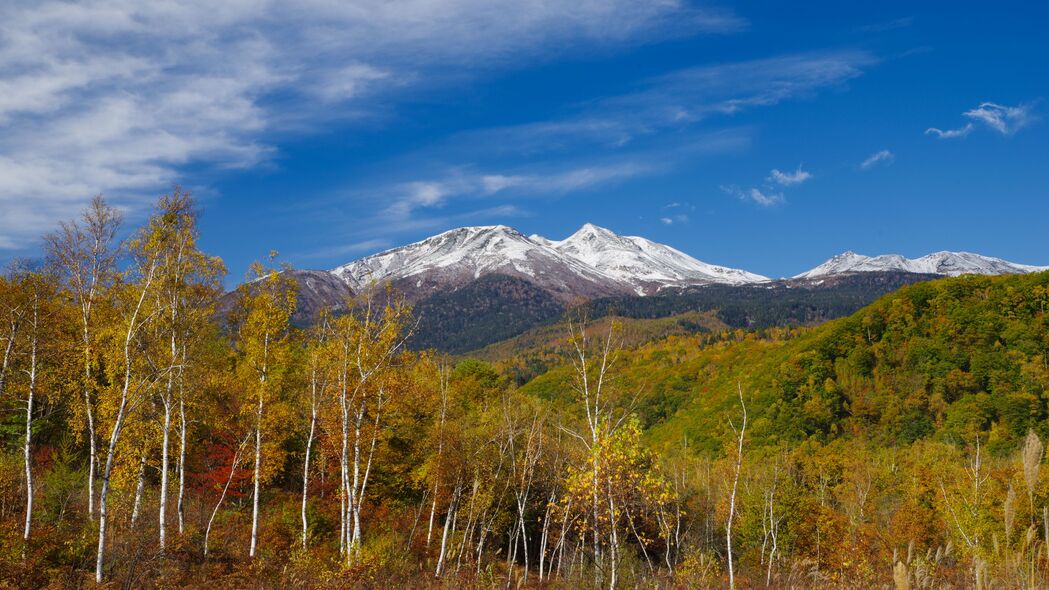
(946, 359)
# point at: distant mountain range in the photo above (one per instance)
(476, 285)
(938, 263)
(591, 262)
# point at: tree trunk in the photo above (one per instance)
(306, 472)
(447, 523)
(255, 495)
(181, 464)
(258, 448)
(89, 413)
(29, 432)
(92, 444)
(162, 511)
(732, 498)
(229, 480)
(7, 352)
(139, 488)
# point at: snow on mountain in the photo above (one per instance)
(591, 262)
(939, 263)
(643, 264)
(458, 256)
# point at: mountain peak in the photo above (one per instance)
(591, 231)
(944, 262)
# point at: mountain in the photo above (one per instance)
(592, 262)
(315, 290)
(938, 263)
(646, 266)
(454, 258)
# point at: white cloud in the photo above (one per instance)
(352, 248)
(755, 195)
(880, 157)
(789, 178)
(406, 198)
(680, 218)
(493, 183)
(1002, 119)
(117, 96)
(950, 133)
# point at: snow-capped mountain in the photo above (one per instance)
(456, 257)
(591, 262)
(938, 263)
(643, 264)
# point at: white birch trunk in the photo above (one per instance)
(258, 450)
(138, 489)
(28, 447)
(162, 510)
(732, 497)
(444, 537)
(182, 465)
(229, 480)
(255, 494)
(306, 469)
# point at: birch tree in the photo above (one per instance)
(133, 376)
(317, 392)
(187, 281)
(35, 295)
(593, 360)
(366, 341)
(265, 307)
(735, 483)
(85, 253)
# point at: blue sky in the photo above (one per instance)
(763, 135)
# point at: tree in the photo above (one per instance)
(187, 282)
(735, 483)
(365, 342)
(134, 373)
(85, 254)
(593, 361)
(265, 307)
(317, 392)
(34, 298)
(13, 309)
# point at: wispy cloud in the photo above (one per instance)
(789, 178)
(349, 249)
(119, 96)
(677, 100)
(950, 133)
(755, 195)
(879, 157)
(464, 184)
(1003, 119)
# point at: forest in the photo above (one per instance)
(151, 440)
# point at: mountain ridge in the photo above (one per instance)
(593, 261)
(943, 263)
